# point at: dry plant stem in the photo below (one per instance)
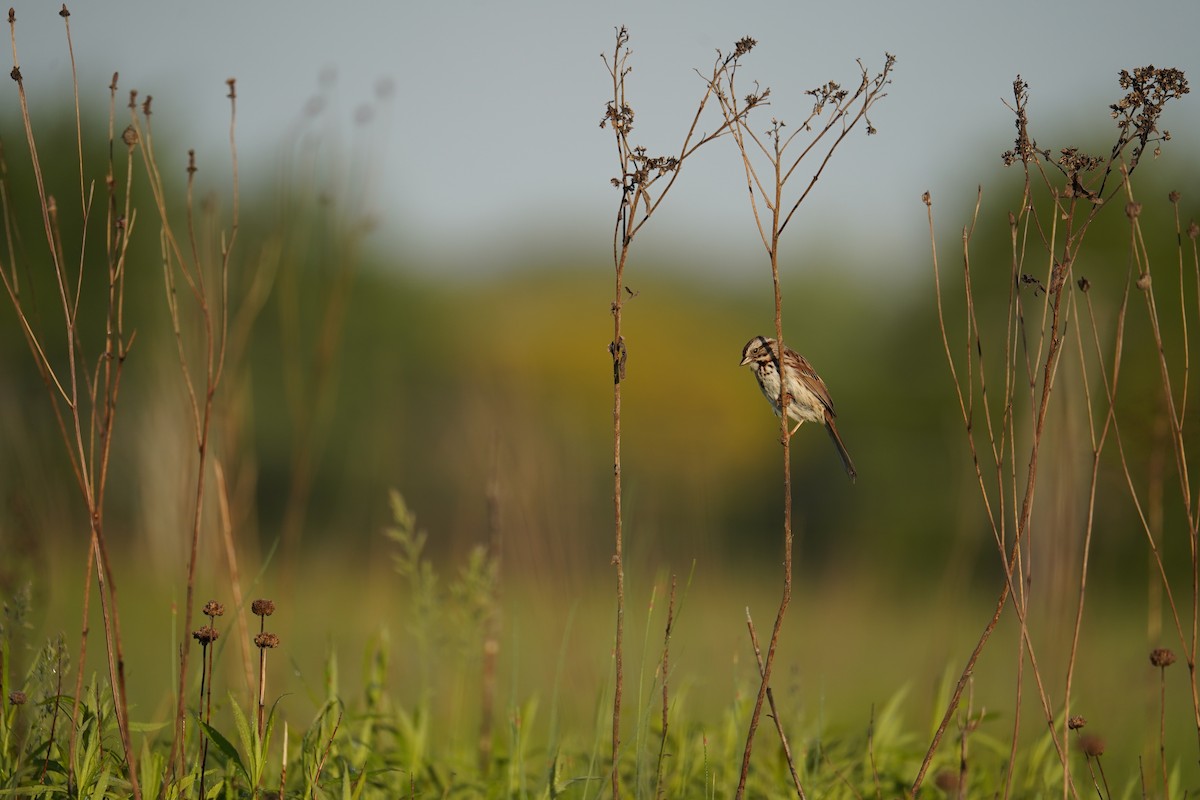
(765, 670)
(92, 406)
(235, 583)
(639, 199)
(262, 689)
(666, 680)
(205, 683)
(1162, 729)
(1076, 206)
(1013, 558)
(209, 303)
(787, 749)
(1175, 418)
(766, 188)
(325, 753)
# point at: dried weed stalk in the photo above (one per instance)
(771, 160)
(200, 331)
(82, 373)
(1005, 426)
(644, 182)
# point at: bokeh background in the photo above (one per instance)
(429, 188)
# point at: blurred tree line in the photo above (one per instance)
(350, 373)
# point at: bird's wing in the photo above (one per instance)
(813, 381)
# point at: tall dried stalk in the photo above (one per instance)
(83, 398)
(770, 162)
(641, 195)
(205, 275)
(1061, 199)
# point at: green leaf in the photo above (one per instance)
(225, 746)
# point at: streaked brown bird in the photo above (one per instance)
(809, 400)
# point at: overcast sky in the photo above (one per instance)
(489, 150)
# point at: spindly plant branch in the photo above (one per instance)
(768, 164)
(83, 398)
(1077, 187)
(640, 174)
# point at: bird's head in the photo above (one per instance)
(758, 350)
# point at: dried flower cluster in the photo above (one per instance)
(266, 640)
(263, 608)
(831, 92)
(206, 634)
(1024, 149)
(1147, 90)
(620, 117)
(743, 46)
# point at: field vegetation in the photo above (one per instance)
(286, 518)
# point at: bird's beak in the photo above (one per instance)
(745, 361)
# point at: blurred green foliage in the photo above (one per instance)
(439, 384)
(367, 373)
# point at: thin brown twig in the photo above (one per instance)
(666, 681)
(787, 749)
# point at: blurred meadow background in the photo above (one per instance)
(416, 304)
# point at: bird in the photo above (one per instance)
(808, 399)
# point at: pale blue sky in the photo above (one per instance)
(491, 152)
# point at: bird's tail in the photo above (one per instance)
(841, 447)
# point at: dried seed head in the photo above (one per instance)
(213, 609)
(1193, 230)
(263, 608)
(206, 634)
(1162, 657)
(1076, 722)
(1133, 210)
(130, 136)
(1091, 745)
(265, 640)
(1173, 197)
(1084, 284)
(17, 698)
(743, 46)
(63, 12)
